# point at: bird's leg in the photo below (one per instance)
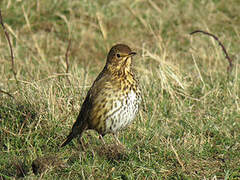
(101, 138)
(116, 138)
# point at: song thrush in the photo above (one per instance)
(113, 100)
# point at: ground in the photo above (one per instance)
(188, 126)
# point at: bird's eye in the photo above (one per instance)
(118, 56)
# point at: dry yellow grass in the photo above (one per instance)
(189, 124)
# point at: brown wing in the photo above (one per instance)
(100, 95)
(87, 118)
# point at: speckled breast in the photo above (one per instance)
(124, 111)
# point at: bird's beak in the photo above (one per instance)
(132, 54)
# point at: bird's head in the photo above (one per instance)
(120, 57)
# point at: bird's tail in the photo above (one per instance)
(68, 139)
(78, 128)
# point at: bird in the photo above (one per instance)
(113, 101)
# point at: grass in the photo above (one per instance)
(189, 123)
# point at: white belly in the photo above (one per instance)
(123, 113)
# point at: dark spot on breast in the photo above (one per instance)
(111, 101)
(103, 105)
(100, 116)
(103, 101)
(105, 113)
